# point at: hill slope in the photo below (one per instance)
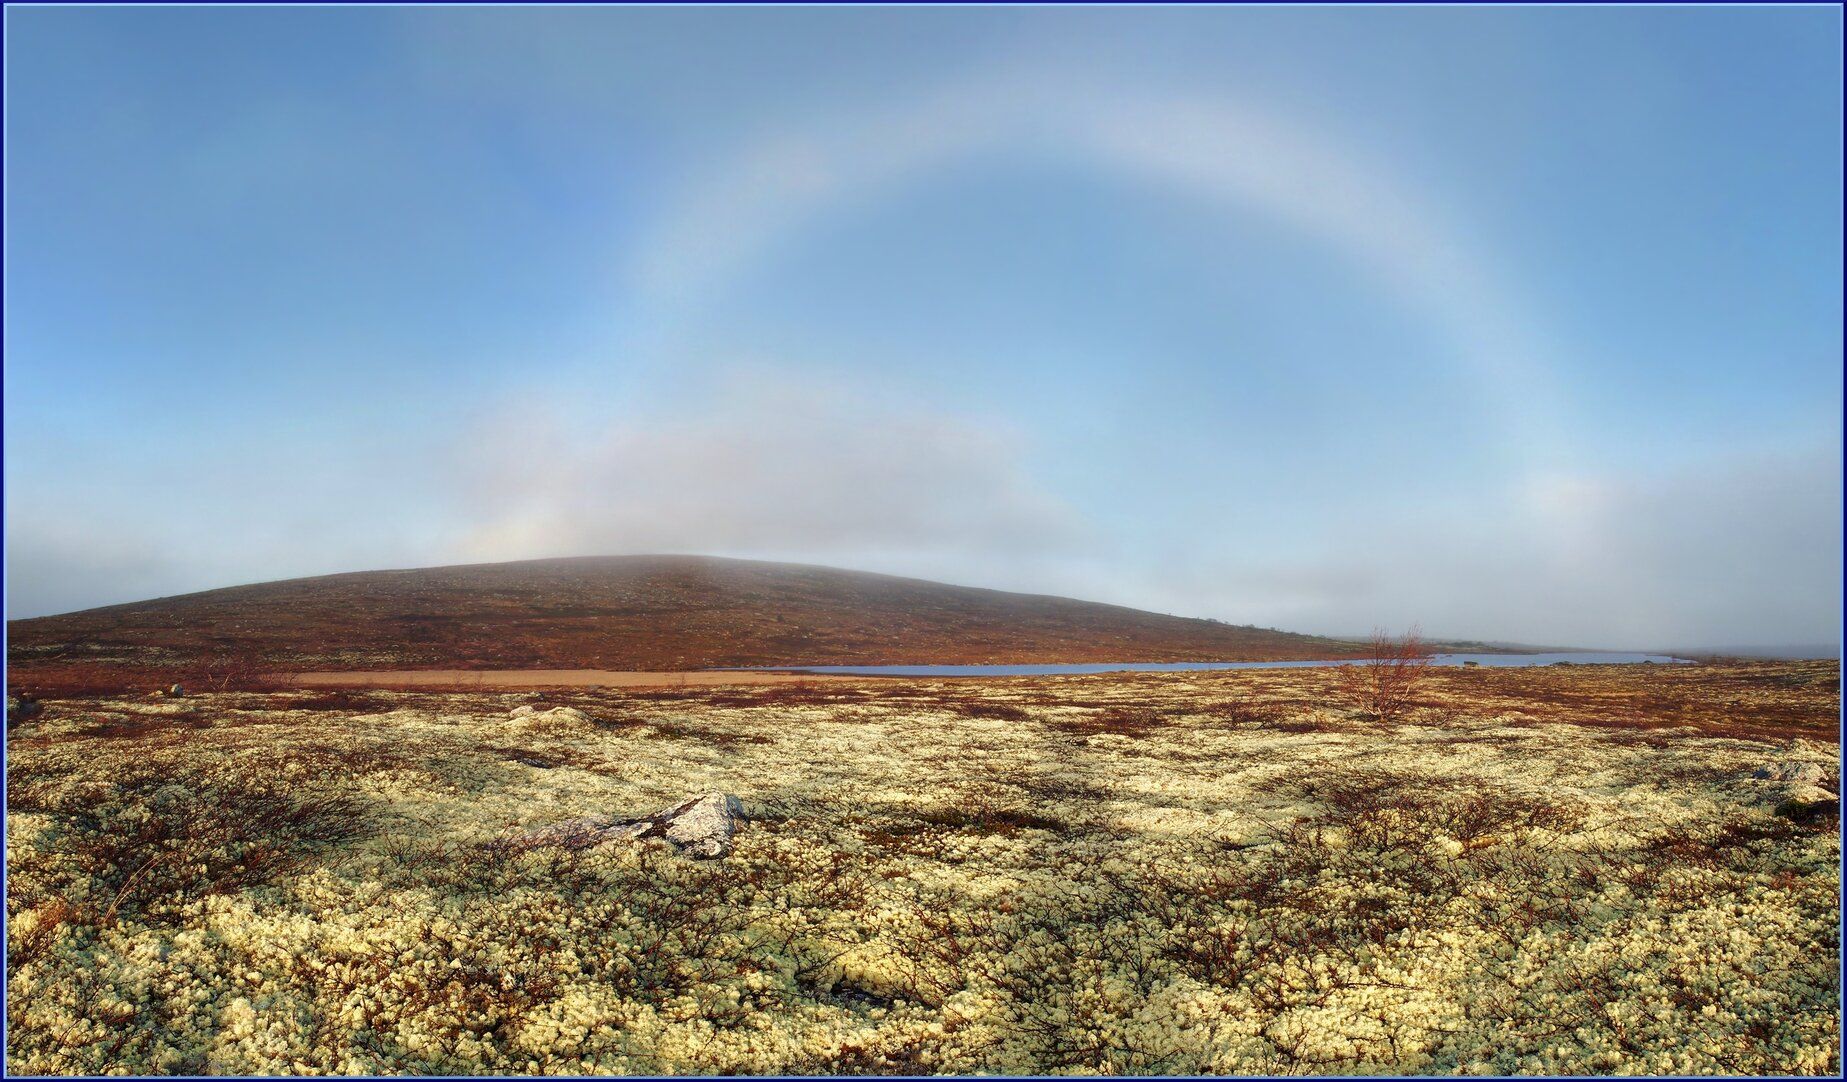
(623, 612)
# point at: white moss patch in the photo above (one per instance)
(918, 890)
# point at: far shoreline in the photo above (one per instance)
(541, 678)
(530, 678)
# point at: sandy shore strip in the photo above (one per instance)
(544, 678)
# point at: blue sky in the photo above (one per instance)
(1521, 324)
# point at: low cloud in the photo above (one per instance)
(1743, 552)
(768, 469)
(52, 567)
(771, 465)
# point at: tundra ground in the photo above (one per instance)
(1556, 871)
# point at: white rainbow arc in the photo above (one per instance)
(1218, 153)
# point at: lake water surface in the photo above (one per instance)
(1486, 661)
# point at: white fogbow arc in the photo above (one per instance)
(1217, 153)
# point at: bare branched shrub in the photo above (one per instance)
(163, 839)
(1385, 683)
(144, 726)
(1114, 720)
(991, 709)
(229, 672)
(983, 812)
(340, 700)
(28, 941)
(1243, 707)
(797, 693)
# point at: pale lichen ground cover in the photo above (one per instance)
(1179, 874)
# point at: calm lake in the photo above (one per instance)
(1486, 661)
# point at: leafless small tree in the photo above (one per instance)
(1385, 682)
(227, 672)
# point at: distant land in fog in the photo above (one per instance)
(656, 612)
(1813, 651)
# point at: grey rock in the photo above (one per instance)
(700, 828)
(1792, 771)
(1806, 794)
(19, 708)
(703, 826)
(558, 721)
(1809, 806)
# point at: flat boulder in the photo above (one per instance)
(558, 721)
(700, 828)
(1808, 804)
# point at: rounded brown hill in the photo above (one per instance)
(624, 612)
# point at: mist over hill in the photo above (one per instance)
(627, 612)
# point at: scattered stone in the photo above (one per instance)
(703, 826)
(1807, 793)
(1809, 804)
(170, 796)
(1791, 771)
(559, 720)
(19, 708)
(853, 996)
(700, 828)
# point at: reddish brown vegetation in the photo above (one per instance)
(799, 694)
(1385, 683)
(144, 725)
(639, 612)
(226, 672)
(152, 852)
(991, 710)
(1748, 700)
(1242, 708)
(1115, 720)
(339, 700)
